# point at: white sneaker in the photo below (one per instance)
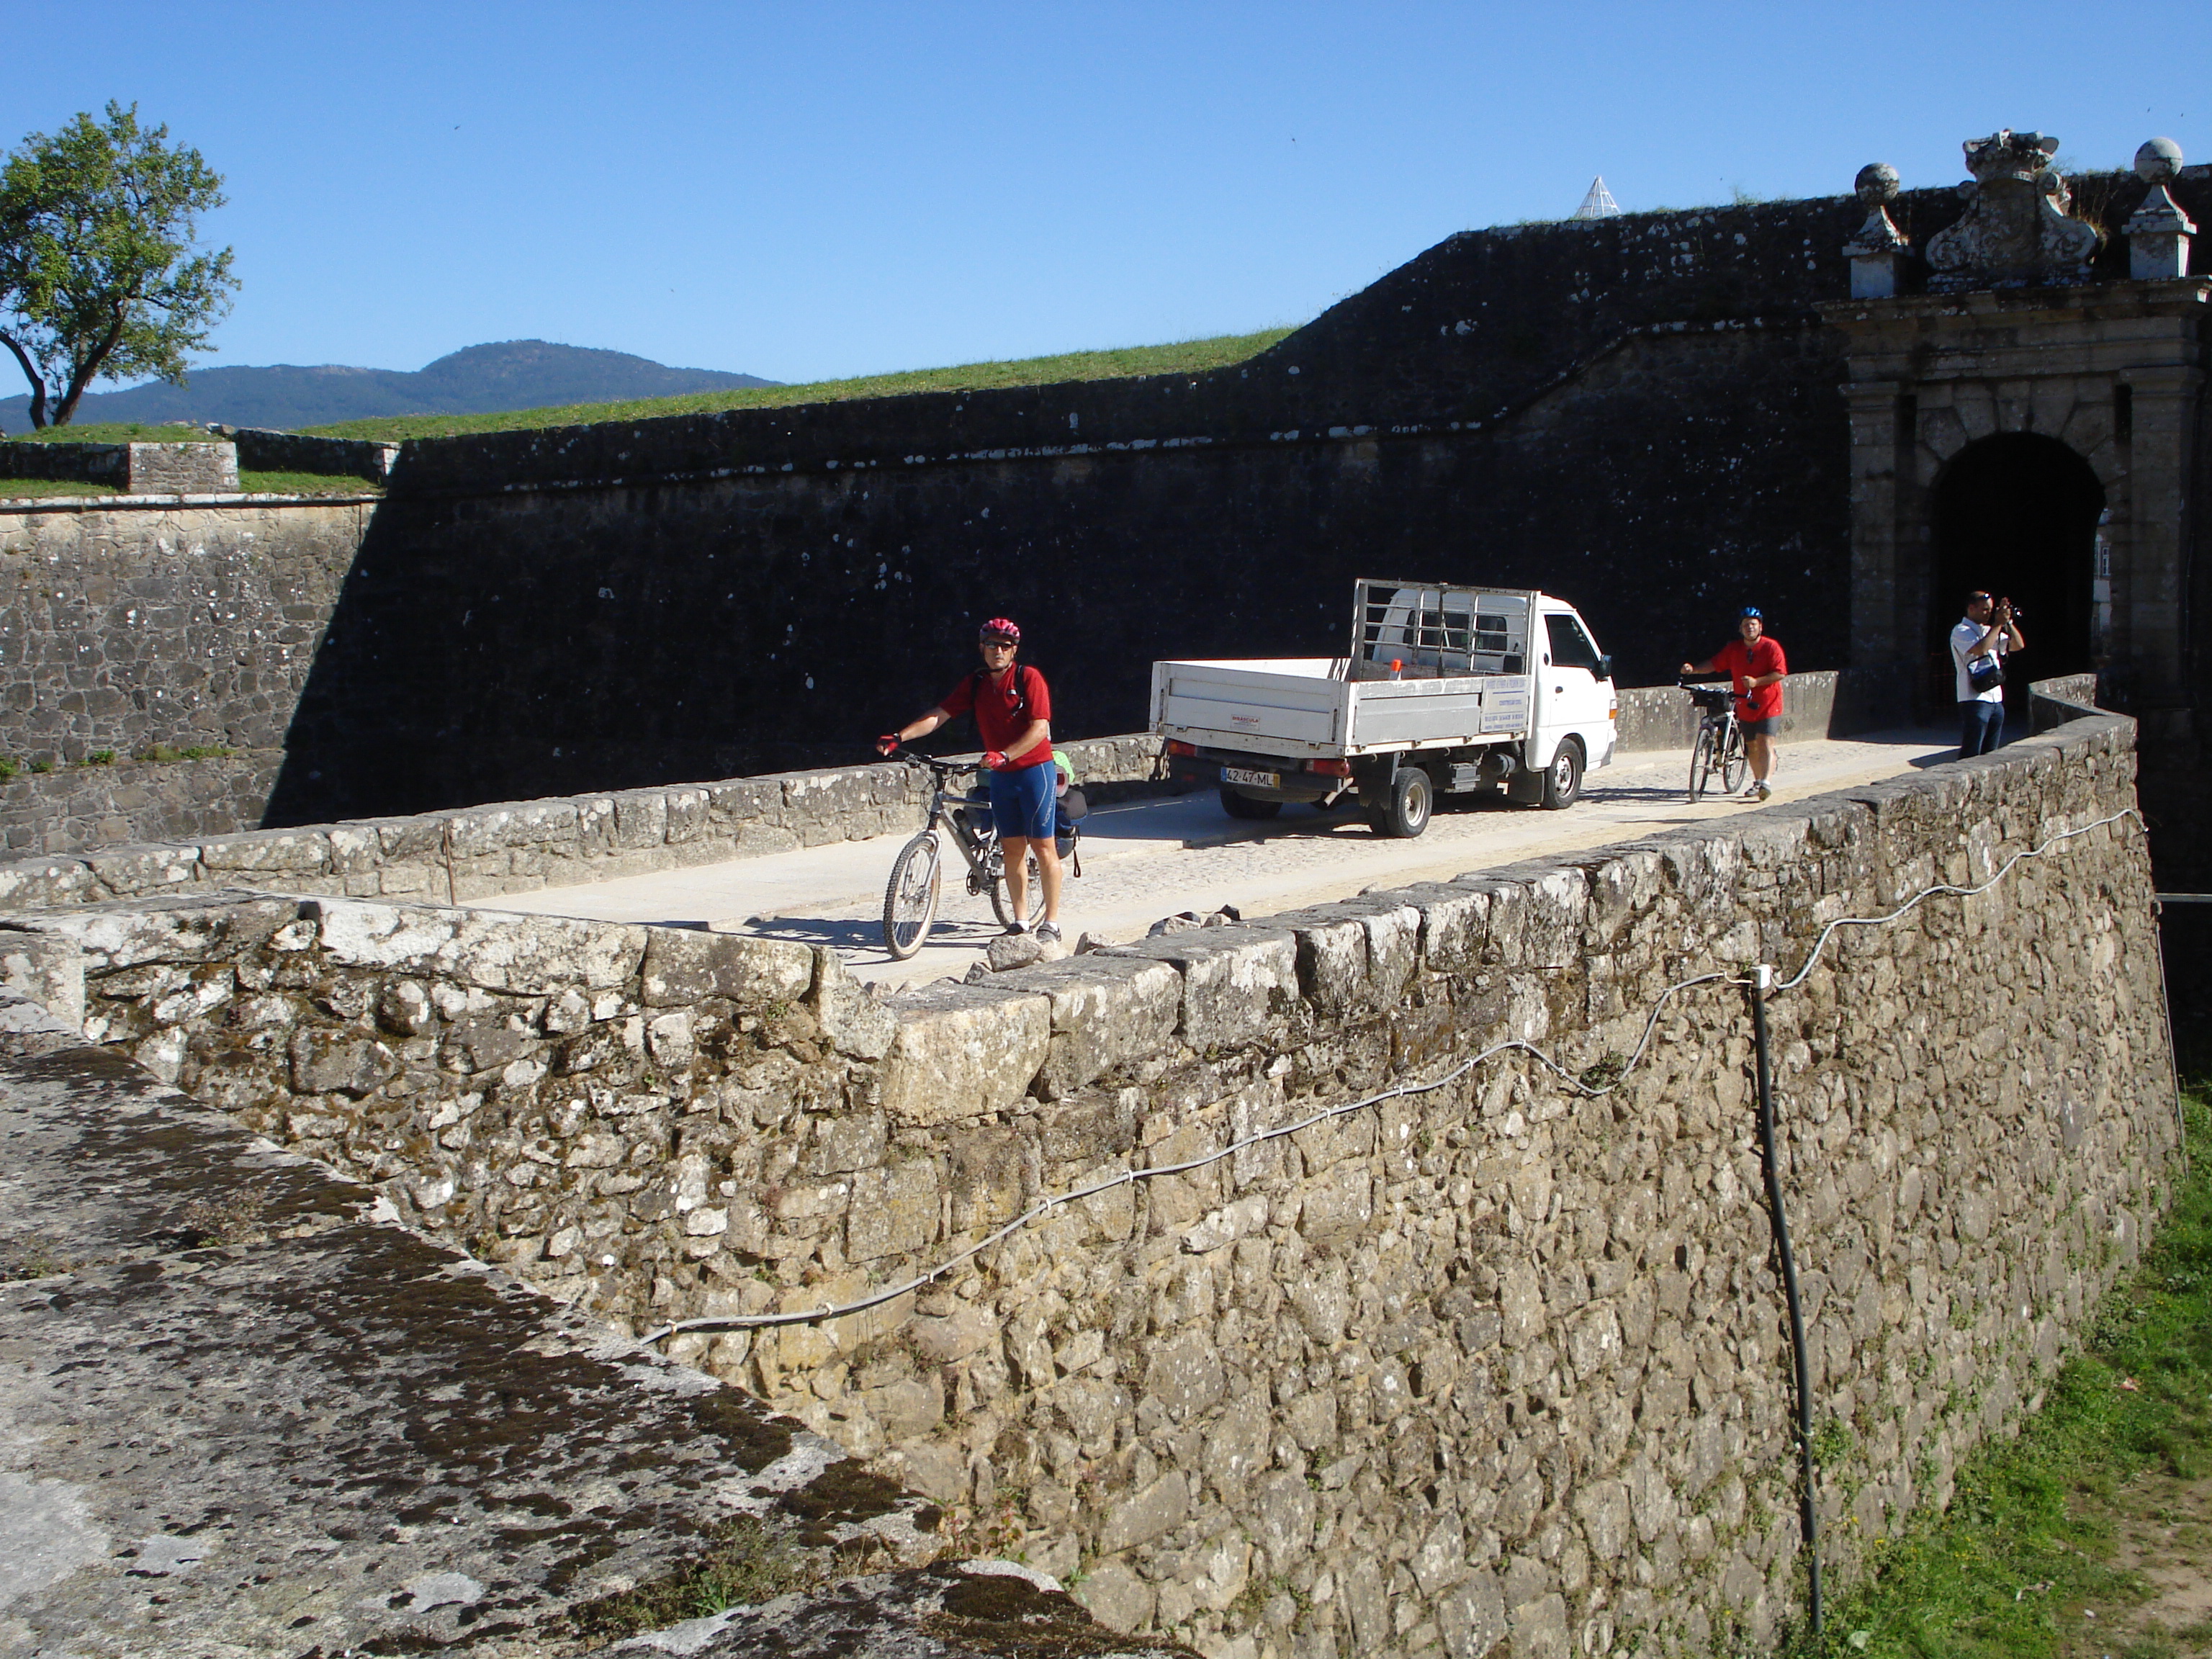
(1757, 792)
(1017, 927)
(1049, 932)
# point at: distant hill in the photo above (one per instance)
(477, 380)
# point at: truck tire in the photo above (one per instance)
(1563, 778)
(1243, 806)
(1413, 795)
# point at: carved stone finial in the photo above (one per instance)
(2158, 232)
(1877, 253)
(1877, 183)
(2158, 161)
(2006, 154)
(2016, 229)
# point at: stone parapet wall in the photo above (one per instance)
(260, 451)
(1819, 704)
(520, 847)
(126, 627)
(1500, 1361)
(178, 469)
(135, 801)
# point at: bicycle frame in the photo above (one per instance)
(978, 848)
(1719, 746)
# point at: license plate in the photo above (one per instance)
(1252, 779)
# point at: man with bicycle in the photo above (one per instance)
(1013, 716)
(1754, 662)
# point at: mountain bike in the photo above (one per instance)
(911, 897)
(1719, 750)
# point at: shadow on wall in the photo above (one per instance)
(561, 641)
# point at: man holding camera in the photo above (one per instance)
(1979, 645)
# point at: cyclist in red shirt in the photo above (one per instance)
(1012, 707)
(1755, 664)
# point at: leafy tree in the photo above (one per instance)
(99, 274)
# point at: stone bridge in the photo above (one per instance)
(1419, 1296)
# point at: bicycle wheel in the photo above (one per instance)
(1002, 902)
(911, 897)
(1701, 763)
(1733, 760)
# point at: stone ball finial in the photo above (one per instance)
(2158, 161)
(1877, 183)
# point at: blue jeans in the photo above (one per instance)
(1981, 727)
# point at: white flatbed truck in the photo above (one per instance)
(1446, 690)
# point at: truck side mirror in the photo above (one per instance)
(1605, 668)
(1512, 665)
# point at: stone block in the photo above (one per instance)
(640, 818)
(1237, 981)
(531, 956)
(268, 852)
(681, 966)
(1147, 1515)
(36, 884)
(127, 872)
(894, 1210)
(687, 813)
(47, 968)
(1106, 1011)
(401, 840)
(486, 830)
(180, 930)
(856, 1023)
(350, 1062)
(821, 806)
(947, 1339)
(743, 803)
(962, 1051)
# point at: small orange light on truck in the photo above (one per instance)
(1177, 746)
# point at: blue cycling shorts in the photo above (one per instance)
(1022, 803)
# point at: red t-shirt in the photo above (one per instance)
(1740, 662)
(998, 721)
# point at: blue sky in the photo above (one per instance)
(809, 190)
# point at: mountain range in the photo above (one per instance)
(474, 381)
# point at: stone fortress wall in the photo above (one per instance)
(1644, 415)
(1500, 1360)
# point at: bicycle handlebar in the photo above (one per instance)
(942, 768)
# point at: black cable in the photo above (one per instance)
(1808, 1516)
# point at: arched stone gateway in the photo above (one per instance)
(2108, 375)
(2017, 513)
(1995, 419)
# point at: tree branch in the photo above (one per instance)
(31, 374)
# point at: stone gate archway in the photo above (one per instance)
(2016, 513)
(2108, 375)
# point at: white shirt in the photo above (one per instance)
(1963, 638)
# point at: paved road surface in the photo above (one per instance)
(1144, 860)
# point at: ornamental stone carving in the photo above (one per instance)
(2158, 232)
(2016, 230)
(1878, 252)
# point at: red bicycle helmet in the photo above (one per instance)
(1000, 628)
